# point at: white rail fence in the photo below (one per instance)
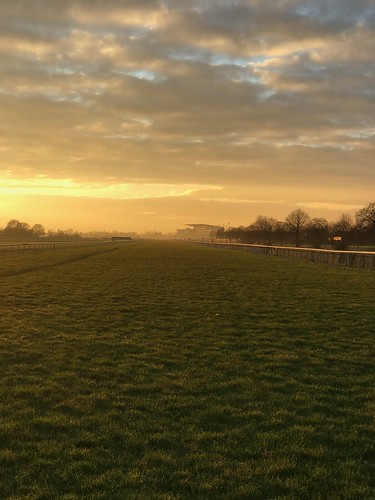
(353, 259)
(48, 245)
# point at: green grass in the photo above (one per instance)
(161, 370)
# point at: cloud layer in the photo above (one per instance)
(268, 95)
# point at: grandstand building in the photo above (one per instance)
(198, 232)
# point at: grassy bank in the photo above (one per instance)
(162, 370)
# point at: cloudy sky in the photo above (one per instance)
(148, 114)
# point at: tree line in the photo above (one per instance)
(19, 229)
(299, 229)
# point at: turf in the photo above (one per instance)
(161, 370)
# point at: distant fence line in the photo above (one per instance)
(353, 259)
(48, 245)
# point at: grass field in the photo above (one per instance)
(161, 370)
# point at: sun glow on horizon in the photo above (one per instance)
(42, 186)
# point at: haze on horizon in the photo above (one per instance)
(147, 115)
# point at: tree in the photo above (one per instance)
(16, 228)
(264, 227)
(343, 225)
(317, 230)
(365, 218)
(38, 230)
(342, 232)
(233, 233)
(280, 232)
(220, 233)
(12, 224)
(296, 221)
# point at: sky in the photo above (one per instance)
(137, 115)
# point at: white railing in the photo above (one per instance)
(354, 259)
(48, 245)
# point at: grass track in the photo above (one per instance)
(162, 370)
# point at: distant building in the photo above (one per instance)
(198, 232)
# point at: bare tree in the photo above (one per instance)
(365, 218)
(17, 228)
(341, 232)
(38, 230)
(296, 221)
(263, 227)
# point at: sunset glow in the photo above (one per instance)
(169, 112)
(68, 187)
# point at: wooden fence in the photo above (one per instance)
(359, 260)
